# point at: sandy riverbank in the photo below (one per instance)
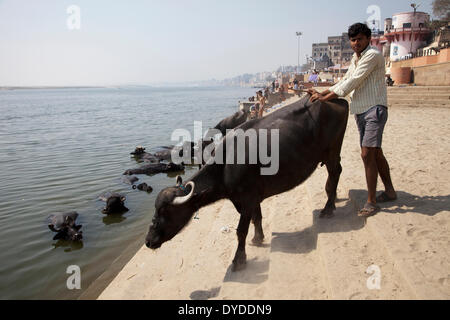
(307, 258)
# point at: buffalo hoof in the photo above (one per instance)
(258, 240)
(239, 263)
(327, 213)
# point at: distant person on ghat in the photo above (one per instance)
(365, 82)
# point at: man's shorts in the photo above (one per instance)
(371, 126)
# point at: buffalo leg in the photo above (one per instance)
(257, 221)
(240, 257)
(334, 172)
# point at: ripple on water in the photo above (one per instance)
(61, 149)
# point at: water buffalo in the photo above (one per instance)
(114, 204)
(65, 226)
(155, 168)
(143, 187)
(138, 151)
(163, 153)
(130, 180)
(166, 154)
(309, 134)
(231, 122)
(140, 154)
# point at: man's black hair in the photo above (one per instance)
(358, 28)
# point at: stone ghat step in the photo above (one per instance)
(416, 105)
(420, 96)
(419, 89)
(419, 102)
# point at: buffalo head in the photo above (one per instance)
(115, 204)
(65, 227)
(70, 233)
(138, 151)
(174, 209)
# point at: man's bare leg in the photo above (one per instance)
(385, 174)
(369, 157)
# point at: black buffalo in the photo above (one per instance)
(231, 122)
(166, 154)
(140, 150)
(155, 168)
(130, 180)
(163, 153)
(64, 224)
(140, 154)
(309, 134)
(114, 204)
(223, 126)
(143, 187)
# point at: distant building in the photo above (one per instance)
(347, 51)
(337, 51)
(407, 33)
(319, 50)
(335, 48)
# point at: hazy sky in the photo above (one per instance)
(146, 42)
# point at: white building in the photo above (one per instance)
(407, 33)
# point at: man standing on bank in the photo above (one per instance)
(365, 82)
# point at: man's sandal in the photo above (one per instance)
(369, 210)
(384, 197)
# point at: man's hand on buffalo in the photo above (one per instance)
(315, 97)
(324, 96)
(312, 91)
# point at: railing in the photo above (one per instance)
(395, 30)
(424, 52)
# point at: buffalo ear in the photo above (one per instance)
(179, 181)
(69, 221)
(78, 227)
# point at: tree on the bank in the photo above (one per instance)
(441, 9)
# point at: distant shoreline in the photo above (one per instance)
(52, 87)
(9, 88)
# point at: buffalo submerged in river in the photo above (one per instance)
(309, 134)
(155, 168)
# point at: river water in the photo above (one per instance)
(62, 148)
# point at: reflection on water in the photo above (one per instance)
(113, 219)
(68, 246)
(60, 149)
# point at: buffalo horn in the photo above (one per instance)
(181, 200)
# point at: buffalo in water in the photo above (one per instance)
(309, 134)
(155, 168)
(163, 153)
(114, 204)
(143, 187)
(130, 180)
(64, 224)
(166, 154)
(140, 154)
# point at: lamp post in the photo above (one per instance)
(414, 6)
(298, 65)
